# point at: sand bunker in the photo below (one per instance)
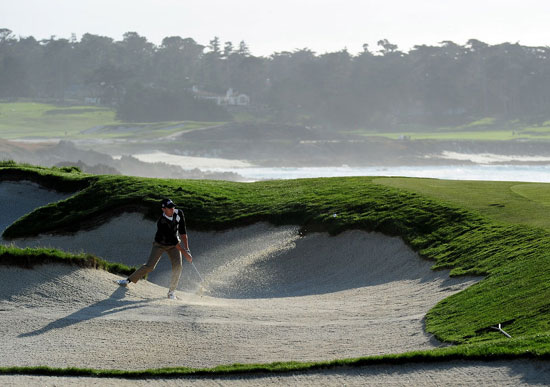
(20, 198)
(271, 296)
(62, 316)
(260, 261)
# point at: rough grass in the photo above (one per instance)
(64, 179)
(451, 223)
(30, 257)
(497, 350)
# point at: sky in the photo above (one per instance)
(270, 26)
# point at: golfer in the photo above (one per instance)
(171, 237)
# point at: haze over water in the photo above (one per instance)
(539, 174)
(501, 172)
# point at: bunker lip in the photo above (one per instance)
(18, 198)
(467, 373)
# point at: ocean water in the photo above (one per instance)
(525, 173)
(482, 171)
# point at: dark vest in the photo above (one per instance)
(168, 231)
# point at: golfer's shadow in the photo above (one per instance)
(114, 304)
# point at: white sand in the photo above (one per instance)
(20, 198)
(271, 296)
(298, 299)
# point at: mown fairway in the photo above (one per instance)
(21, 120)
(541, 133)
(511, 202)
(37, 120)
(487, 129)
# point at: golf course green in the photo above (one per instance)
(497, 230)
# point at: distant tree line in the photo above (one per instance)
(428, 85)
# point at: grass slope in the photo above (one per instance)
(440, 220)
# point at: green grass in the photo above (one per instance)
(20, 120)
(23, 120)
(492, 135)
(146, 131)
(511, 202)
(486, 129)
(31, 257)
(496, 229)
(530, 348)
(519, 274)
(534, 134)
(538, 193)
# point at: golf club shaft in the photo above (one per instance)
(200, 276)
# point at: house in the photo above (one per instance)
(235, 99)
(230, 98)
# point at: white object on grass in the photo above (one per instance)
(501, 331)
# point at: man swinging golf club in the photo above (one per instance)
(171, 237)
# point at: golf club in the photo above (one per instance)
(199, 274)
(201, 287)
